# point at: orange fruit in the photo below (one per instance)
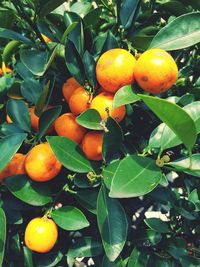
(92, 145)
(69, 87)
(66, 125)
(103, 103)
(156, 71)
(46, 39)
(41, 234)
(5, 70)
(41, 164)
(115, 68)
(14, 167)
(79, 101)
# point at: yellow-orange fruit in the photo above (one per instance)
(66, 125)
(156, 71)
(41, 234)
(103, 103)
(115, 68)
(14, 167)
(92, 145)
(46, 39)
(69, 87)
(41, 164)
(79, 101)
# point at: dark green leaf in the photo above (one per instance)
(28, 257)
(19, 114)
(182, 32)
(88, 199)
(124, 96)
(9, 34)
(110, 42)
(112, 223)
(35, 194)
(50, 6)
(9, 145)
(90, 119)
(128, 12)
(50, 259)
(2, 235)
(135, 176)
(90, 67)
(157, 225)
(69, 154)
(70, 218)
(81, 8)
(92, 18)
(108, 173)
(178, 120)
(31, 89)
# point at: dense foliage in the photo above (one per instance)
(140, 205)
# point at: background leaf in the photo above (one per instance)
(2, 235)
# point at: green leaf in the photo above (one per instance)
(128, 12)
(32, 193)
(2, 235)
(19, 114)
(31, 89)
(84, 247)
(93, 17)
(9, 50)
(49, 259)
(49, 6)
(108, 173)
(28, 257)
(110, 42)
(107, 263)
(178, 120)
(87, 199)
(189, 261)
(47, 118)
(90, 119)
(9, 145)
(112, 223)
(112, 140)
(81, 8)
(70, 218)
(9, 34)
(182, 32)
(90, 68)
(124, 96)
(35, 60)
(184, 163)
(157, 225)
(137, 259)
(130, 178)
(69, 154)
(162, 136)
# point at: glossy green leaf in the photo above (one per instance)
(182, 32)
(90, 119)
(49, 259)
(81, 8)
(116, 263)
(128, 12)
(69, 154)
(19, 114)
(112, 140)
(31, 89)
(124, 96)
(9, 145)
(130, 178)
(34, 60)
(164, 137)
(49, 6)
(110, 42)
(5, 83)
(178, 120)
(47, 118)
(35, 194)
(92, 18)
(9, 129)
(9, 50)
(148, 237)
(28, 257)
(2, 235)
(184, 163)
(108, 173)
(23, 71)
(70, 218)
(9, 34)
(90, 68)
(137, 259)
(65, 34)
(112, 223)
(88, 199)
(84, 247)
(157, 225)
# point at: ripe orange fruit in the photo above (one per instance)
(156, 71)
(46, 39)
(92, 145)
(69, 87)
(66, 125)
(14, 167)
(115, 68)
(41, 234)
(41, 164)
(79, 101)
(103, 103)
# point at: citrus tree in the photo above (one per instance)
(99, 146)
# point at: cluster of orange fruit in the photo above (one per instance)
(155, 71)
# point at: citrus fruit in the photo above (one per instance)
(41, 164)
(79, 101)
(41, 234)
(115, 68)
(92, 145)
(103, 103)
(66, 125)
(69, 87)
(46, 39)
(156, 71)
(14, 167)
(5, 70)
